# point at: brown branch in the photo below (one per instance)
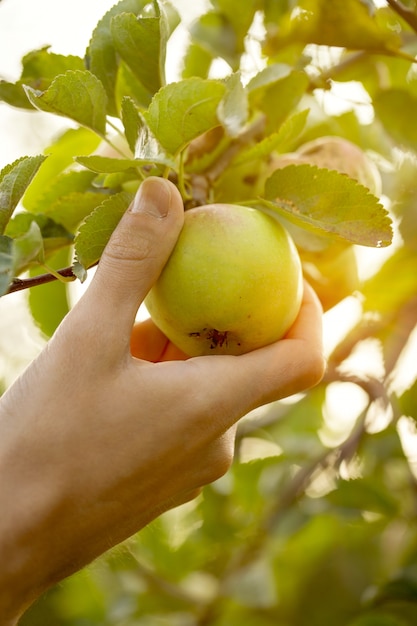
(25, 283)
(407, 14)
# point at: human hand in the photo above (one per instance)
(98, 438)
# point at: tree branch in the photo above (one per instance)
(407, 14)
(18, 284)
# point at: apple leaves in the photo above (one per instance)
(77, 95)
(14, 180)
(182, 111)
(96, 230)
(328, 203)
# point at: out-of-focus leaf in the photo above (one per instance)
(280, 141)
(14, 180)
(233, 109)
(49, 303)
(182, 111)
(54, 235)
(27, 247)
(214, 33)
(95, 232)
(327, 202)
(196, 62)
(49, 182)
(6, 263)
(363, 495)
(393, 284)
(344, 23)
(77, 95)
(408, 401)
(395, 108)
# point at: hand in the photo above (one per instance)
(97, 438)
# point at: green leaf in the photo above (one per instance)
(233, 109)
(214, 34)
(54, 235)
(70, 210)
(408, 401)
(141, 42)
(77, 95)
(394, 284)
(101, 57)
(108, 165)
(6, 263)
(280, 141)
(182, 111)
(196, 61)
(363, 495)
(327, 202)
(27, 247)
(95, 232)
(395, 108)
(14, 180)
(40, 67)
(49, 177)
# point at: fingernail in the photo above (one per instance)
(153, 197)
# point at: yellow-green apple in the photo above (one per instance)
(233, 282)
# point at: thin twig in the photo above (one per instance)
(407, 14)
(18, 284)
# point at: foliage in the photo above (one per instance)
(315, 522)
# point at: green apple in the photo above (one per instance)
(233, 282)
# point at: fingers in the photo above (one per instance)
(134, 257)
(296, 363)
(149, 343)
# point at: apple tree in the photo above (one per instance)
(304, 109)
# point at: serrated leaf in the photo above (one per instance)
(408, 401)
(141, 42)
(182, 111)
(77, 95)
(233, 109)
(95, 232)
(101, 57)
(107, 165)
(328, 203)
(14, 180)
(40, 67)
(6, 263)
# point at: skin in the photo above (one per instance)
(111, 425)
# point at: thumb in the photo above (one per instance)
(135, 254)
